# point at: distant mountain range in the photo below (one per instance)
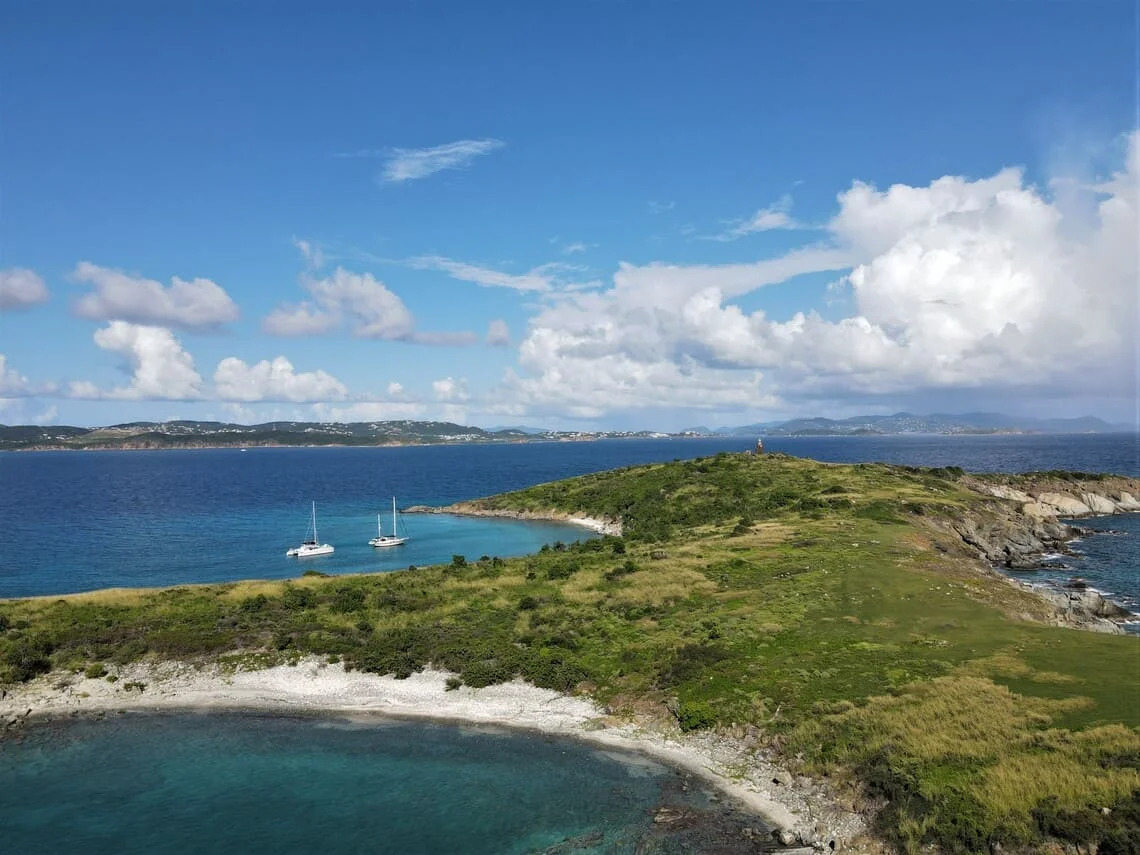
(936, 423)
(193, 434)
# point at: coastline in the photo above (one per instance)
(800, 811)
(472, 509)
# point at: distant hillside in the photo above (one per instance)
(192, 434)
(936, 423)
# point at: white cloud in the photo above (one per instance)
(369, 411)
(194, 304)
(450, 390)
(660, 207)
(21, 288)
(234, 380)
(395, 390)
(444, 339)
(300, 319)
(775, 216)
(312, 253)
(160, 368)
(13, 384)
(406, 164)
(46, 417)
(375, 311)
(962, 284)
(498, 334)
(575, 247)
(537, 279)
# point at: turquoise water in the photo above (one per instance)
(260, 784)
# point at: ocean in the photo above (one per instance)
(275, 784)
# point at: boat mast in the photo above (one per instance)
(394, 517)
(315, 538)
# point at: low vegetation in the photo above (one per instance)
(820, 603)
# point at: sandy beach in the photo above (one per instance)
(801, 808)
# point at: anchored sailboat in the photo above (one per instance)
(310, 547)
(392, 539)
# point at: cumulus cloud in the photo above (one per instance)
(13, 384)
(159, 367)
(449, 389)
(21, 288)
(395, 390)
(407, 164)
(961, 284)
(373, 310)
(498, 334)
(234, 380)
(194, 304)
(655, 207)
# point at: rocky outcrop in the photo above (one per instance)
(1065, 504)
(604, 525)
(1128, 502)
(1067, 497)
(1014, 540)
(1086, 609)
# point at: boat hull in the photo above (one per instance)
(387, 540)
(310, 551)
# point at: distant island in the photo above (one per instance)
(209, 434)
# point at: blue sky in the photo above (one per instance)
(566, 214)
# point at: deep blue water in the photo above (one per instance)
(228, 783)
(88, 520)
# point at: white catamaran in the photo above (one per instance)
(392, 539)
(310, 546)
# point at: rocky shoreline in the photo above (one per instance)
(1027, 522)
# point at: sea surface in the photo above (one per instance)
(274, 784)
(79, 521)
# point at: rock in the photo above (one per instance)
(1004, 492)
(781, 778)
(1039, 510)
(1065, 504)
(1099, 504)
(785, 837)
(1128, 502)
(658, 554)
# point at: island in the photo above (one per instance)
(840, 646)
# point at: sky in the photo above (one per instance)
(575, 215)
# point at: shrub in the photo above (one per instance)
(296, 599)
(458, 561)
(347, 599)
(452, 683)
(695, 715)
(317, 573)
(96, 671)
(528, 603)
(24, 660)
(254, 604)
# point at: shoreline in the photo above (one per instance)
(598, 525)
(796, 809)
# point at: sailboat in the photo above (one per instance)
(310, 547)
(392, 539)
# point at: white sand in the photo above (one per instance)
(313, 686)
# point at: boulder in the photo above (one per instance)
(1065, 504)
(1099, 504)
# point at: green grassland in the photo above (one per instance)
(824, 604)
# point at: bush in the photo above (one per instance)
(347, 599)
(96, 671)
(527, 604)
(296, 599)
(695, 715)
(458, 561)
(452, 683)
(254, 604)
(24, 660)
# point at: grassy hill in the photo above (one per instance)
(830, 606)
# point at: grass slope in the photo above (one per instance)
(811, 600)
